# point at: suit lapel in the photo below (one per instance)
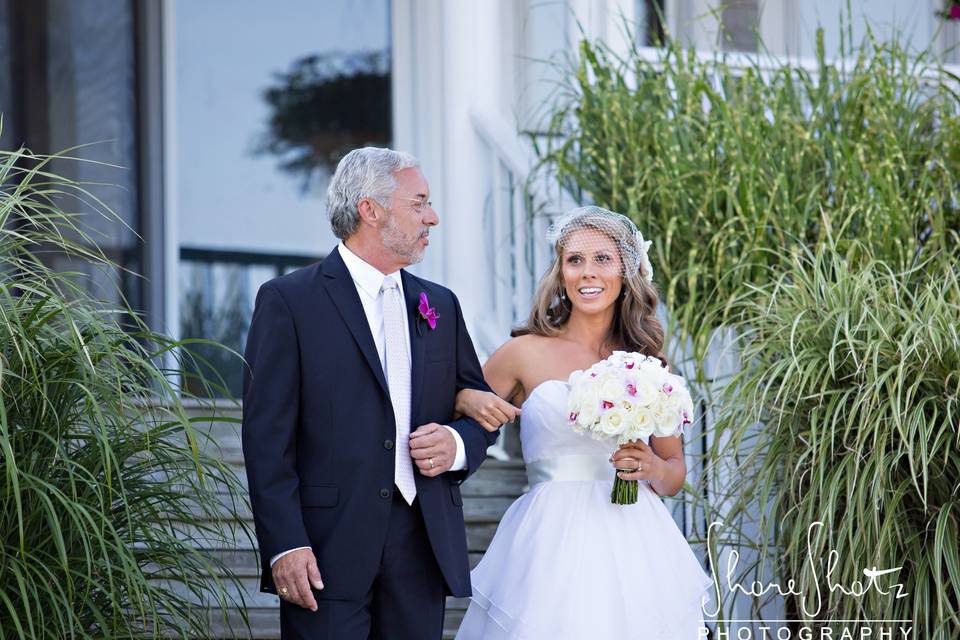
(344, 294)
(411, 294)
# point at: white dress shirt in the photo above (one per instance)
(368, 280)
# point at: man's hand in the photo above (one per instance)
(293, 574)
(433, 449)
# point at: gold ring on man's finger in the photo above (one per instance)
(430, 460)
(284, 592)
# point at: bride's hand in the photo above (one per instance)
(489, 409)
(638, 456)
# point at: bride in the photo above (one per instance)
(565, 563)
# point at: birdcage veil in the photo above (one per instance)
(633, 249)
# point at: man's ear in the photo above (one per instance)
(369, 214)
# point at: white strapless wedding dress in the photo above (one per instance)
(566, 564)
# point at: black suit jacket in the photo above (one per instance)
(318, 426)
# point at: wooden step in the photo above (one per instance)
(265, 622)
(245, 563)
(486, 496)
(476, 509)
(494, 478)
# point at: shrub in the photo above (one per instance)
(103, 476)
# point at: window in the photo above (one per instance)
(651, 15)
(268, 98)
(68, 77)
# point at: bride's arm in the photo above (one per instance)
(491, 410)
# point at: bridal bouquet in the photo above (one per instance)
(628, 396)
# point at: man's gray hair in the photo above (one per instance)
(363, 173)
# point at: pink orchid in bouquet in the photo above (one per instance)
(628, 397)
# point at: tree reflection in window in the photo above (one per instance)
(323, 107)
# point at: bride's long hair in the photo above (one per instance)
(635, 326)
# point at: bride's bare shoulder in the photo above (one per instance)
(516, 354)
(518, 362)
(524, 346)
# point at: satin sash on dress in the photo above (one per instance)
(570, 468)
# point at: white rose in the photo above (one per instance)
(586, 392)
(613, 422)
(642, 424)
(663, 431)
(610, 388)
(587, 416)
(652, 366)
(646, 393)
(666, 422)
(662, 413)
(587, 401)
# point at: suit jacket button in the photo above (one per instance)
(384, 493)
(388, 444)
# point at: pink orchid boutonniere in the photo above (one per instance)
(951, 10)
(427, 313)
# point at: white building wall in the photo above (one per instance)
(788, 27)
(448, 58)
(914, 23)
(459, 63)
(468, 76)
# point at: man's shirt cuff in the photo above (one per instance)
(280, 555)
(460, 461)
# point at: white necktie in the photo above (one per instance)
(398, 381)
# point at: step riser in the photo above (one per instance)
(486, 496)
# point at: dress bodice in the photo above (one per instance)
(546, 432)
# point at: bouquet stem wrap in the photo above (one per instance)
(624, 491)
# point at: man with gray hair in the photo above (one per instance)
(353, 457)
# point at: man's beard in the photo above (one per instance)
(395, 241)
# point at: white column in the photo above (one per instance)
(418, 109)
(448, 56)
(171, 237)
(474, 52)
(612, 21)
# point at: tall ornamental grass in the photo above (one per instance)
(717, 164)
(103, 475)
(855, 375)
(812, 213)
